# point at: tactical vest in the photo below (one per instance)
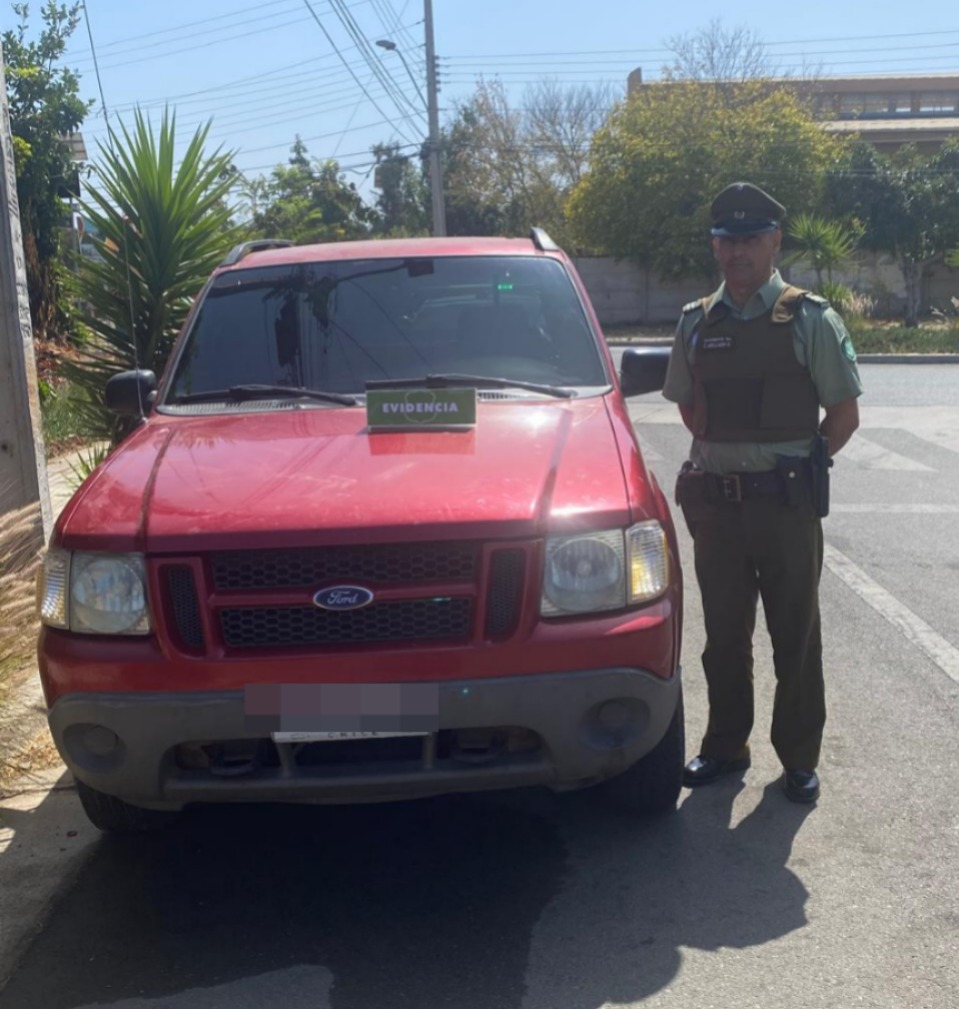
(748, 385)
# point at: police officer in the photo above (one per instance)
(766, 380)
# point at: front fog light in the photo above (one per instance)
(108, 594)
(648, 561)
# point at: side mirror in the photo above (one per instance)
(131, 393)
(643, 369)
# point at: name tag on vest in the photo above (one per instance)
(718, 341)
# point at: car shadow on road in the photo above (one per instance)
(522, 900)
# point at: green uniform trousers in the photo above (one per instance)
(761, 548)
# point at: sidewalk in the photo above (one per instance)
(44, 834)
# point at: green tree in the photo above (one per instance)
(163, 223)
(666, 151)
(309, 201)
(909, 204)
(403, 194)
(45, 107)
(824, 244)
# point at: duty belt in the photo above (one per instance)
(736, 487)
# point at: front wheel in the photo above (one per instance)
(108, 813)
(652, 784)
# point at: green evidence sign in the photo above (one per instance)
(406, 409)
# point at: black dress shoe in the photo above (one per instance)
(703, 770)
(801, 786)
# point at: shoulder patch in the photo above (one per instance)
(691, 307)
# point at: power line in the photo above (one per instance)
(140, 59)
(784, 42)
(398, 97)
(139, 47)
(329, 39)
(326, 85)
(388, 14)
(832, 52)
(276, 74)
(190, 24)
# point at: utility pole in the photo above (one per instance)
(23, 464)
(436, 164)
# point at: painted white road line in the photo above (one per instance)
(912, 626)
(894, 509)
(869, 455)
(938, 425)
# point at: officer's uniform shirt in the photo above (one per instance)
(821, 343)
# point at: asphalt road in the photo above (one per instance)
(525, 901)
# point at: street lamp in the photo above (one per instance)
(390, 46)
(432, 112)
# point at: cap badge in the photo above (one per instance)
(739, 215)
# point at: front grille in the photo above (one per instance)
(368, 565)
(505, 595)
(407, 620)
(186, 608)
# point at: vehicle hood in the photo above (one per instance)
(318, 475)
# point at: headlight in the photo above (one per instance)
(601, 571)
(584, 573)
(107, 593)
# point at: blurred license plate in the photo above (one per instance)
(315, 737)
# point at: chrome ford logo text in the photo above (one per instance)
(343, 597)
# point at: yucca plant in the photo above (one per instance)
(824, 244)
(161, 226)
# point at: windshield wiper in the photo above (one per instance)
(469, 381)
(241, 393)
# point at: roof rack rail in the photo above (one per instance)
(257, 245)
(542, 241)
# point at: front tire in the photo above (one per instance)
(113, 815)
(652, 784)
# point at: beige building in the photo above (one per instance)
(887, 110)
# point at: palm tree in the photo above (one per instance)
(162, 226)
(825, 244)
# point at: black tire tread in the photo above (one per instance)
(113, 815)
(652, 785)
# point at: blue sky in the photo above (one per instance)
(265, 71)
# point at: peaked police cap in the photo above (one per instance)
(744, 209)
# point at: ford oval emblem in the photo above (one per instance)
(343, 597)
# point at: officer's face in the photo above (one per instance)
(747, 260)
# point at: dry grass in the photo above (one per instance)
(24, 752)
(21, 543)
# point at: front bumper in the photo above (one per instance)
(574, 745)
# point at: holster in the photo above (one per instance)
(820, 462)
(691, 495)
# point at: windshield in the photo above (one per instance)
(334, 326)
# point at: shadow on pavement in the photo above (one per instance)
(475, 902)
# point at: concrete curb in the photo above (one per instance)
(908, 358)
(861, 359)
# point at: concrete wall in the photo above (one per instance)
(625, 294)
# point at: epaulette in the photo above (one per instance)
(691, 307)
(816, 299)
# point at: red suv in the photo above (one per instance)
(383, 531)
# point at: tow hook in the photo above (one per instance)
(235, 758)
(478, 746)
